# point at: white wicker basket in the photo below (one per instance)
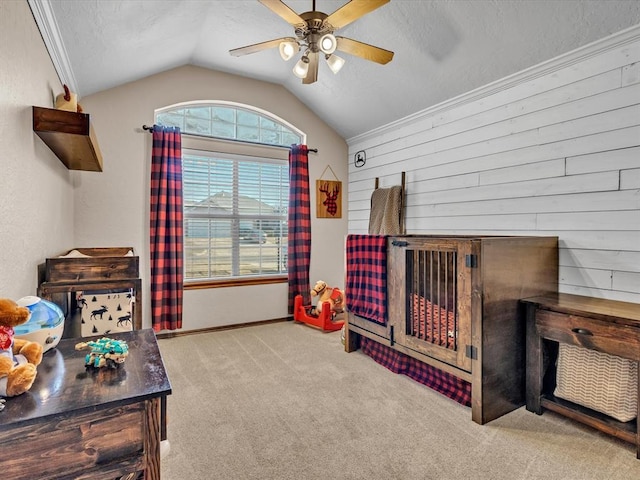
(602, 382)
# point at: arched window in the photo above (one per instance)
(236, 190)
(230, 121)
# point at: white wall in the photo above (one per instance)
(554, 150)
(36, 191)
(112, 207)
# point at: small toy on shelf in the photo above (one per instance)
(18, 357)
(68, 101)
(104, 352)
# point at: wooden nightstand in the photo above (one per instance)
(603, 325)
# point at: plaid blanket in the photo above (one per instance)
(366, 285)
(433, 323)
(445, 383)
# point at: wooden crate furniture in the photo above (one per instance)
(452, 304)
(107, 263)
(93, 269)
(84, 423)
(605, 326)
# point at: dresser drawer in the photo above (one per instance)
(77, 445)
(609, 337)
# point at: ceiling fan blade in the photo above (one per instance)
(364, 50)
(352, 11)
(312, 74)
(279, 8)
(258, 47)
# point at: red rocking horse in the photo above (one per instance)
(330, 304)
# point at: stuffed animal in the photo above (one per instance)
(328, 294)
(18, 357)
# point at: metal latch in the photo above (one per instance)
(471, 352)
(471, 261)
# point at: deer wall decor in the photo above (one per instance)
(331, 196)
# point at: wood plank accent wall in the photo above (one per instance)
(553, 150)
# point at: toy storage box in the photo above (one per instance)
(85, 273)
(92, 264)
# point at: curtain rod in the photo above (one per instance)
(150, 130)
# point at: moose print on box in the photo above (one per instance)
(103, 313)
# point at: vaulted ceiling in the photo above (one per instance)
(443, 48)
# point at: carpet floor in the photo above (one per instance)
(284, 401)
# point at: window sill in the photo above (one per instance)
(236, 282)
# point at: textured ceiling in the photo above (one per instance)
(443, 48)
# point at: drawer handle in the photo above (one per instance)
(581, 331)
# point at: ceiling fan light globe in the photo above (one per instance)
(288, 50)
(328, 44)
(335, 63)
(301, 68)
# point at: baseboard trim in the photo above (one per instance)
(182, 333)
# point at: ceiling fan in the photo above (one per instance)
(314, 34)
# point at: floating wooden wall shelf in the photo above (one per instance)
(70, 136)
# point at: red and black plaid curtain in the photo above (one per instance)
(166, 229)
(299, 244)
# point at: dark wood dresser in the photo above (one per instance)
(84, 423)
(605, 326)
